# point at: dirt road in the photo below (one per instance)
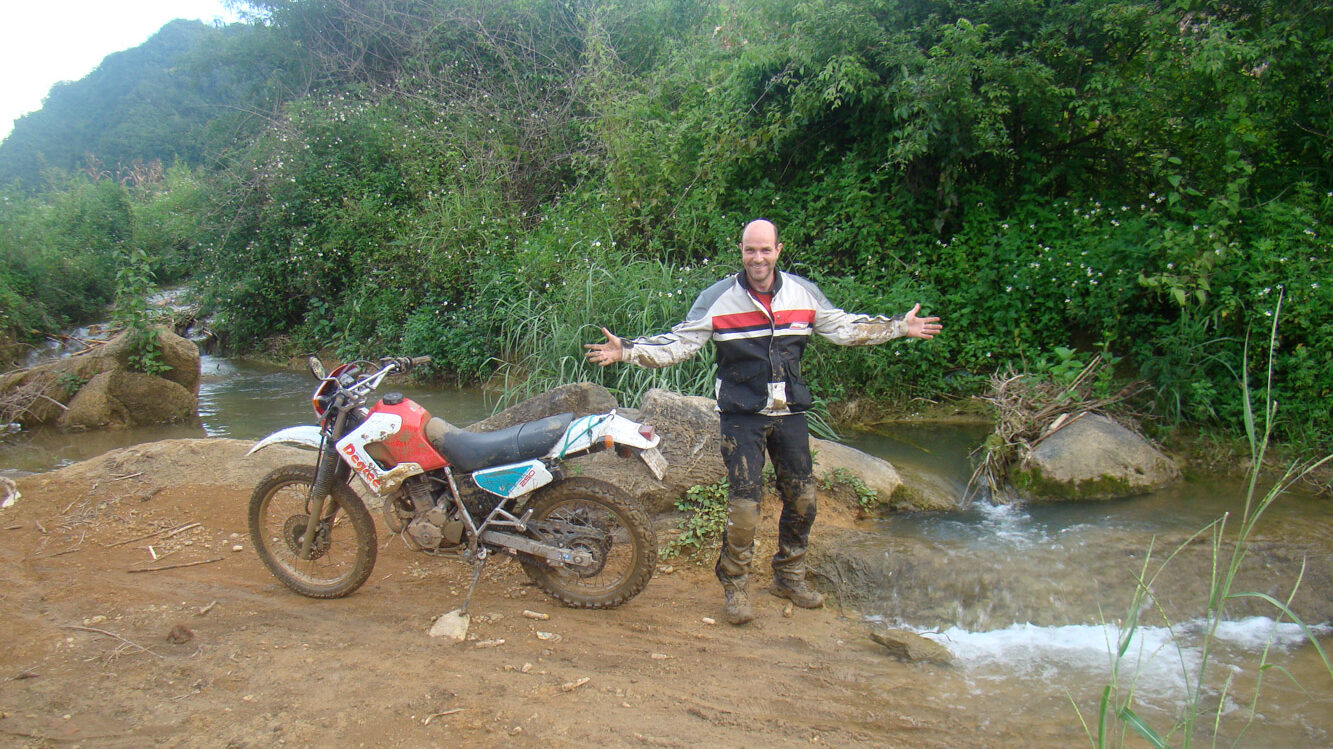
(99, 654)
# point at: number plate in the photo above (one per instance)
(652, 457)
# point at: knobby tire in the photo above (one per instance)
(345, 555)
(609, 513)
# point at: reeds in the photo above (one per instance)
(1117, 699)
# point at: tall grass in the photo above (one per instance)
(1117, 698)
(543, 334)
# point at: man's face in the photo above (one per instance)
(759, 255)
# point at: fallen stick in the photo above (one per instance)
(111, 635)
(433, 716)
(53, 400)
(150, 535)
(181, 529)
(57, 553)
(174, 566)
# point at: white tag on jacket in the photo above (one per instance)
(777, 395)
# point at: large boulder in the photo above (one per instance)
(179, 354)
(1092, 457)
(118, 399)
(691, 443)
(836, 462)
(49, 391)
(580, 398)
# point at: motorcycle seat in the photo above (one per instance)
(473, 451)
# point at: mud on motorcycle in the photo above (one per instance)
(447, 491)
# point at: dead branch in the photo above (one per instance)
(111, 635)
(174, 566)
(1030, 408)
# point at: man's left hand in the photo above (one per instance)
(921, 327)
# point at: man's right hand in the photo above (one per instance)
(603, 354)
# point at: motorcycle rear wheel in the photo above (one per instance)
(595, 517)
(343, 553)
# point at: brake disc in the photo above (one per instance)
(294, 531)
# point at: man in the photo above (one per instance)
(760, 321)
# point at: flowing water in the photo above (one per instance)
(1028, 598)
(1032, 599)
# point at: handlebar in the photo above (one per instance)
(404, 364)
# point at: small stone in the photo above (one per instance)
(527, 668)
(536, 615)
(786, 612)
(910, 646)
(660, 657)
(237, 547)
(451, 626)
(570, 686)
(481, 644)
(666, 569)
(709, 620)
(549, 636)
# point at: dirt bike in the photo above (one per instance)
(451, 492)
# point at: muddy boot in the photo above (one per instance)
(737, 608)
(798, 592)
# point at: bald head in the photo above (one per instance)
(759, 253)
(760, 230)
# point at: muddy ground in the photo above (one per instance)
(98, 653)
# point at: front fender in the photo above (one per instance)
(302, 436)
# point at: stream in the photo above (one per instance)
(1030, 599)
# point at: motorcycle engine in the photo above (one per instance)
(421, 511)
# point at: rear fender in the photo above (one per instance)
(588, 431)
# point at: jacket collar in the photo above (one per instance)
(744, 281)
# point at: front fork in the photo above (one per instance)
(326, 470)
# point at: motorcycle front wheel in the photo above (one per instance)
(343, 552)
(598, 518)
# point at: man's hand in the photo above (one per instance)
(603, 354)
(918, 327)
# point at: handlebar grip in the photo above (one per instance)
(405, 363)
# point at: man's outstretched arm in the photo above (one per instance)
(603, 354)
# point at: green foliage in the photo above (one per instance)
(866, 498)
(134, 282)
(70, 382)
(702, 529)
(492, 182)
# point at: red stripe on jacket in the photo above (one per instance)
(757, 319)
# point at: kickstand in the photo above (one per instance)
(477, 563)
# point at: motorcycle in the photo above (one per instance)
(449, 492)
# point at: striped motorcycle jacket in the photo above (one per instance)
(759, 348)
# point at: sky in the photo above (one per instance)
(43, 42)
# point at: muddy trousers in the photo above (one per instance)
(746, 438)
